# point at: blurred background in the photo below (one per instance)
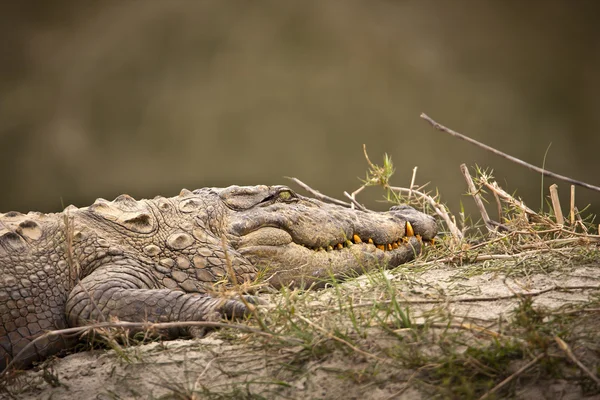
(148, 97)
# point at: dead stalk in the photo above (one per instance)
(477, 197)
(560, 220)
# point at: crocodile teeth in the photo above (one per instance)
(409, 229)
(357, 240)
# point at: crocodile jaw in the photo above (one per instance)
(286, 262)
(298, 265)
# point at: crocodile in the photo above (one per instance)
(157, 260)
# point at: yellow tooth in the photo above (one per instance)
(339, 246)
(329, 248)
(320, 249)
(389, 247)
(405, 239)
(381, 247)
(409, 229)
(349, 243)
(394, 245)
(370, 241)
(356, 239)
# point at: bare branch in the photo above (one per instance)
(318, 194)
(354, 202)
(539, 170)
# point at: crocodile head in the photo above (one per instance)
(300, 240)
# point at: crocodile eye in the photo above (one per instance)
(285, 195)
(282, 196)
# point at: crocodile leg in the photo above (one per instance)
(129, 294)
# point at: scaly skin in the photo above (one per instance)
(157, 259)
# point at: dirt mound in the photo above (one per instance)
(523, 326)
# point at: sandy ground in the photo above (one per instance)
(234, 365)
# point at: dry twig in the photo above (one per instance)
(353, 200)
(542, 171)
(565, 347)
(513, 376)
(318, 194)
